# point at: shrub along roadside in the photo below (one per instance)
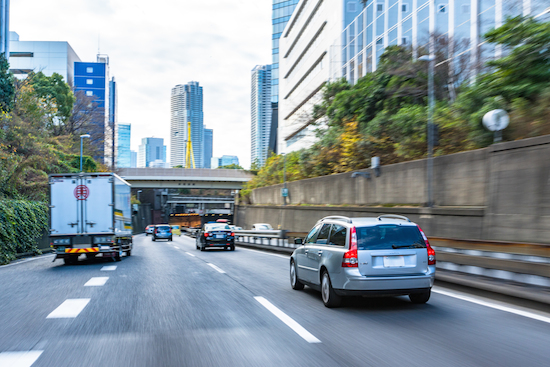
(22, 223)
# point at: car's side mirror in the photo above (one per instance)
(298, 241)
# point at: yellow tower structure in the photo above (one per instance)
(189, 156)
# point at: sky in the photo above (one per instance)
(155, 45)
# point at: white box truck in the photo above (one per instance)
(91, 214)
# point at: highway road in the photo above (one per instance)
(172, 305)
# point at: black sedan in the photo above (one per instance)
(215, 235)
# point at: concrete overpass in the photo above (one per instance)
(184, 178)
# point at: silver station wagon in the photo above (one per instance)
(379, 256)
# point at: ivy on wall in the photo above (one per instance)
(22, 223)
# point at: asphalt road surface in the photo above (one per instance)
(172, 305)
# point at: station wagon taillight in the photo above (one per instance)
(431, 251)
(350, 257)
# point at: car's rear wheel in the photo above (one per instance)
(294, 282)
(232, 248)
(330, 298)
(420, 297)
(170, 238)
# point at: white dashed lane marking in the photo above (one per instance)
(96, 282)
(108, 268)
(190, 254)
(216, 268)
(69, 309)
(176, 247)
(19, 359)
(298, 329)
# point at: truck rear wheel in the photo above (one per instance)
(129, 253)
(70, 260)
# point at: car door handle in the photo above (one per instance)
(320, 253)
(306, 251)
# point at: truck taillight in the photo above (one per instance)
(431, 251)
(350, 257)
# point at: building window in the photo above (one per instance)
(379, 41)
(352, 6)
(465, 8)
(89, 70)
(89, 81)
(404, 40)
(404, 8)
(379, 7)
(442, 8)
(89, 93)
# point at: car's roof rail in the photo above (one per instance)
(339, 217)
(393, 216)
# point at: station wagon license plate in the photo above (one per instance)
(394, 261)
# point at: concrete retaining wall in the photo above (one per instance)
(498, 193)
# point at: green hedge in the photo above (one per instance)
(22, 224)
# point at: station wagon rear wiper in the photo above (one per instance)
(412, 245)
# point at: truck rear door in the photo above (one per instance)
(98, 204)
(65, 209)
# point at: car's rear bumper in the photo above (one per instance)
(380, 292)
(352, 281)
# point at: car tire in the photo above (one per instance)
(202, 248)
(420, 298)
(232, 248)
(153, 239)
(330, 298)
(171, 239)
(118, 256)
(294, 282)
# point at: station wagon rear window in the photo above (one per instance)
(389, 236)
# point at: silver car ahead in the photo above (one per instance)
(383, 256)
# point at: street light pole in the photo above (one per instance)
(81, 147)
(431, 128)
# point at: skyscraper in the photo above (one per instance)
(208, 147)
(186, 106)
(282, 11)
(151, 150)
(92, 78)
(5, 28)
(123, 155)
(260, 113)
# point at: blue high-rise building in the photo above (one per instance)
(5, 28)
(282, 11)
(227, 160)
(123, 154)
(150, 151)
(186, 106)
(92, 78)
(260, 114)
(208, 147)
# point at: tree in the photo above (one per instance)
(231, 166)
(7, 89)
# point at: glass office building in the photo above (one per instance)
(208, 147)
(281, 13)
(5, 27)
(227, 160)
(186, 106)
(123, 154)
(151, 150)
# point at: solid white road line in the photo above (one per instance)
(265, 253)
(299, 329)
(96, 282)
(19, 359)
(108, 268)
(216, 268)
(495, 305)
(69, 309)
(26, 261)
(190, 254)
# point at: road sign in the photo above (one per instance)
(284, 192)
(81, 192)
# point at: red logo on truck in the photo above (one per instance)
(81, 192)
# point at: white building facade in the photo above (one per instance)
(308, 58)
(46, 56)
(260, 113)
